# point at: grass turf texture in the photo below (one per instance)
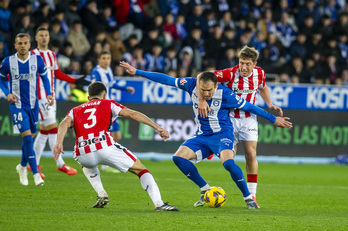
(292, 197)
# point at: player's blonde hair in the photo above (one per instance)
(249, 53)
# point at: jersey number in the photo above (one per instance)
(90, 117)
(18, 117)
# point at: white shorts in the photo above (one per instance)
(245, 129)
(115, 156)
(47, 113)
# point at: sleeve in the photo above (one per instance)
(116, 108)
(43, 75)
(158, 77)
(224, 75)
(258, 111)
(4, 86)
(3, 77)
(62, 76)
(95, 75)
(4, 68)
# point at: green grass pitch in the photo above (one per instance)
(292, 197)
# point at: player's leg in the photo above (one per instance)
(182, 159)
(149, 185)
(40, 143)
(236, 173)
(251, 165)
(116, 134)
(89, 164)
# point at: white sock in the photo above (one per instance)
(205, 188)
(149, 185)
(93, 176)
(252, 188)
(39, 145)
(52, 139)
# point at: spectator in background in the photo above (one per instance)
(196, 43)
(311, 9)
(325, 27)
(23, 26)
(211, 19)
(71, 14)
(331, 48)
(59, 16)
(185, 62)
(344, 77)
(155, 59)
(311, 70)
(131, 43)
(315, 43)
(169, 7)
(181, 27)
(331, 69)
(298, 47)
(213, 45)
(171, 61)
(95, 51)
(197, 19)
(342, 23)
(266, 23)
(43, 14)
(152, 37)
(87, 67)
(108, 17)
(343, 45)
(308, 26)
(286, 33)
(4, 51)
(75, 67)
(331, 8)
(228, 37)
(169, 27)
(296, 70)
(78, 40)
(117, 47)
(6, 22)
(56, 33)
(131, 11)
(92, 19)
(229, 59)
(136, 58)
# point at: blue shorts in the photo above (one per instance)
(24, 120)
(204, 146)
(115, 127)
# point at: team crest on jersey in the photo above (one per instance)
(33, 67)
(216, 103)
(219, 74)
(183, 81)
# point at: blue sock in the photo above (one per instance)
(29, 152)
(237, 176)
(24, 161)
(189, 170)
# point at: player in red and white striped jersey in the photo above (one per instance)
(94, 144)
(47, 114)
(245, 79)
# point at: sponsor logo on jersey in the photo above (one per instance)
(243, 91)
(252, 129)
(94, 140)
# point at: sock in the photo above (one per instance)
(237, 176)
(39, 144)
(24, 160)
(149, 185)
(189, 170)
(52, 139)
(29, 152)
(93, 176)
(252, 184)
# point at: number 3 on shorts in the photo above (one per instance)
(90, 117)
(17, 117)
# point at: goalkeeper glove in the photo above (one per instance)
(82, 81)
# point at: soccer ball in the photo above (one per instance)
(215, 197)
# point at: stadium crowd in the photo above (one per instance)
(300, 41)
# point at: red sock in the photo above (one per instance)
(252, 178)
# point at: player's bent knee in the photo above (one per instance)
(137, 167)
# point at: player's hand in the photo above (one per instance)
(282, 122)
(131, 90)
(82, 81)
(203, 108)
(164, 134)
(277, 109)
(129, 69)
(12, 98)
(50, 100)
(57, 149)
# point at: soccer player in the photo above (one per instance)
(47, 116)
(103, 73)
(95, 145)
(215, 132)
(245, 79)
(23, 70)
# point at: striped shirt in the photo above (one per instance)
(23, 78)
(245, 87)
(51, 63)
(91, 122)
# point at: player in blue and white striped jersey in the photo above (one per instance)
(23, 70)
(215, 132)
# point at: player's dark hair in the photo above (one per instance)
(208, 76)
(41, 28)
(22, 35)
(104, 53)
(96, 88)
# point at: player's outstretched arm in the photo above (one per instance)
(154, 76)
(142, 118)
(62, 129)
